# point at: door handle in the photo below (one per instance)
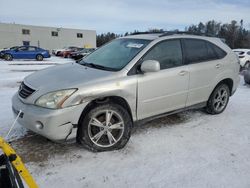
(182, 73)
(217, 66)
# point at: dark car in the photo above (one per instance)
(80, 54)
(26, 52)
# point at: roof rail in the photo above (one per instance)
(185, 32)
(148, 32)
(177, 32)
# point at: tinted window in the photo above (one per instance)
(211, 52)
(220, 53)
(196, 50)
(201, 50)
(168, 53)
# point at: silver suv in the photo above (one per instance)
(133, 78)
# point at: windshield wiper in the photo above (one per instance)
(97, 66)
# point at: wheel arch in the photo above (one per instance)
(229, 82)
(109, 99)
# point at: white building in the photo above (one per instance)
(45, 37)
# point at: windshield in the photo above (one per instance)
(116, 54)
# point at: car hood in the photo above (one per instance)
(70, 75)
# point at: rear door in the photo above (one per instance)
(32, 52)
(166, 90)
(205, 65)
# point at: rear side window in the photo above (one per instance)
(197, 51)
(220, 53)
(168, 53)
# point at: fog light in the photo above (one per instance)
(39, 125)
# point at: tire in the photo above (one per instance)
(97, 135)
(247, 65)
(247, 76)
(39, 57)
(8, 57)
(218, 100)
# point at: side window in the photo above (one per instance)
(23, 48)
(219, 52)
(200, 50)
(168, 53)
(248, 53)
(211, 52)
(196, 50)
(32, 49)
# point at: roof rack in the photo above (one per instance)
(177, 32)
(184, 32)
(168, 33)
(148, 32)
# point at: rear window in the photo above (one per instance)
(197, 50)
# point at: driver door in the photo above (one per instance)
(165, 90)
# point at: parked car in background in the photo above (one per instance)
(82, 53)
(26, 52)
(131, 79)
(67, 53)
(59, 52)
(244, 56)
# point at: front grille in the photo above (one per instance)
(25, 91)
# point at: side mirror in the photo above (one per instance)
(150, 66)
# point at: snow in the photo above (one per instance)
(189, 149)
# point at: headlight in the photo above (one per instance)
(54, 100)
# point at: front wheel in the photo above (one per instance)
(8, 57)
(105, 127)
(218, 100)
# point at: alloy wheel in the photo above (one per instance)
(106, 128)
(220, 99)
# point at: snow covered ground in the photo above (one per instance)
(189, 149)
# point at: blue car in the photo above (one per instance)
(25, 52)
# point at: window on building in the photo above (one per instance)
(25, 31)
(54, 33)
(26, 43)
(79, 35)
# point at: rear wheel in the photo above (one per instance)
(39, 57)
(105, 127)
(218, 100)
(8, 57)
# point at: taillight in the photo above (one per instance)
(241, 56)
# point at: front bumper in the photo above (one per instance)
(57, 125)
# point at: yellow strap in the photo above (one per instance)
(18, 164)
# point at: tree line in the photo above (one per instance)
(233, 33)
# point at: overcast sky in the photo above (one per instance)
(120, 16)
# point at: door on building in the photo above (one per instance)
(26, 43)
